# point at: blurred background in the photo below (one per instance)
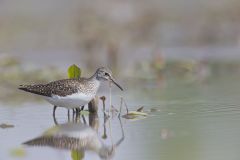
(177, 57)
(118, 34)
(137, 39)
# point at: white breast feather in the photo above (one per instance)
(70, 101)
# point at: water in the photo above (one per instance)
(190, 120)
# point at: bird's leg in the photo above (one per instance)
(54, 119)
(73, 110)
(54, 109)
(68, 115)
(84, 120)
(77, 110)
(82, 108)
(73, 117)
(77, 119)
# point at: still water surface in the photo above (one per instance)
(189, 121)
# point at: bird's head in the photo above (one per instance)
(104, 74)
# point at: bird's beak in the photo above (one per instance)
(112, 79)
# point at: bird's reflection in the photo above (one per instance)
(78, 136)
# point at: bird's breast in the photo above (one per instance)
(70, 101)
(90, 88)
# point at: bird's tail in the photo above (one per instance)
(24, 88)
(36, 89)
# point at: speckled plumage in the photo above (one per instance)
(63, 87)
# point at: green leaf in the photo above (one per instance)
(77, 155)
(74, 71)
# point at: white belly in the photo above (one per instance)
(71, 101)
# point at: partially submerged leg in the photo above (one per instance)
(77, 110)
(82, 108)
(54, 110)
(73, 110)
(68, 115)
(84, 120)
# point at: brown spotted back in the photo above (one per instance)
(63, 87)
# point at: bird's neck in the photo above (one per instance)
(94, 77)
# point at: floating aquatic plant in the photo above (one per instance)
(4, 125)
(132, 114)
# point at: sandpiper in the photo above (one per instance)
(71, 93)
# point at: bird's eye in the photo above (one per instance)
(106, 74)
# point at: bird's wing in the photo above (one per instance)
(60, 87)
(64, 87)
(40, 89)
